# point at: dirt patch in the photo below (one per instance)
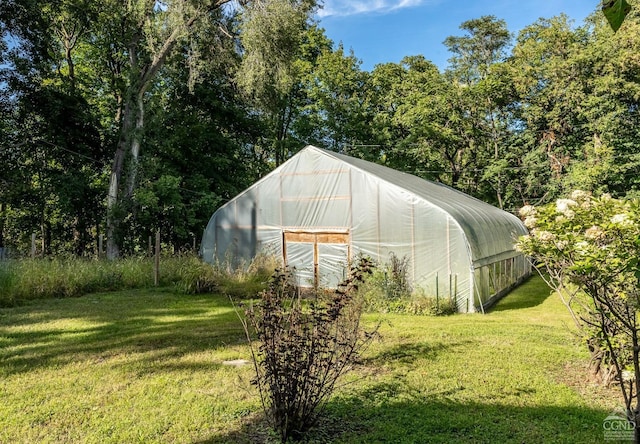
(578, 376)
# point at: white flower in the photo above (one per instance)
(594, 233)
(562, 244)
(581, 247)
(527, 210)
(563, 205)
(579, 195)
(544, 236)
(621, 219)
(530, 222)
(605, 197)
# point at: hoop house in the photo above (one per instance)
(320, 209)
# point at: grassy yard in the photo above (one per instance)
(146, 366)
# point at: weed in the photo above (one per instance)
(389, 291)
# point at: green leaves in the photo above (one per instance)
(615, 12)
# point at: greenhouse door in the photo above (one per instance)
(320, 259)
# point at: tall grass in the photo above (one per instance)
(242, 282)
(37, 279)
(22, 280)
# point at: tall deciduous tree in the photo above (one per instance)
(273, 36)
(52, 130)
(549, 79)
(336, 115)
(141, 35)
(481, 93)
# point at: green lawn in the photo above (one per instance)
(146, 366)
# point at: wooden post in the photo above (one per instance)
(33, 245)
(194, 243)
(100, 243)
(156, 268)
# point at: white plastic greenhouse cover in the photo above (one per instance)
(320, 209)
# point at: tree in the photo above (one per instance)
(273, 38)
(51, 130)
(611, 156)
(199, 148)
(482, 94)
(549, 77)
(336, 115)
(139, 37)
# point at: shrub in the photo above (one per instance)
(305, 347)
(589, 250)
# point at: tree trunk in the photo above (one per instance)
(136, 141)
(113, 198)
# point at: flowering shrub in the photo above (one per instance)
(588, 249)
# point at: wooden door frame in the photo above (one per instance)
(315, 237)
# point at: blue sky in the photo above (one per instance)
(381, 31)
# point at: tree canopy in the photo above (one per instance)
(119, 118)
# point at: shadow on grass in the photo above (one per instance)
(435, 419)
(156, 325)
(408, 353)
(530, 294)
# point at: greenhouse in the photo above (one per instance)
(321, 209)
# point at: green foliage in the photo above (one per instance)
(507, 124)
(388, 290)
(197, 277)
(304, 348)
(280, 47)
(239, 283)
(22, 280)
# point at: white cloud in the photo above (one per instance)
(353, 7)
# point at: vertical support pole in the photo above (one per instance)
(33, 246)
(100, 243)
(437, 292)
(156, 268)
(455, 288)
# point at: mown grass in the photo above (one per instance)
(147, 366)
